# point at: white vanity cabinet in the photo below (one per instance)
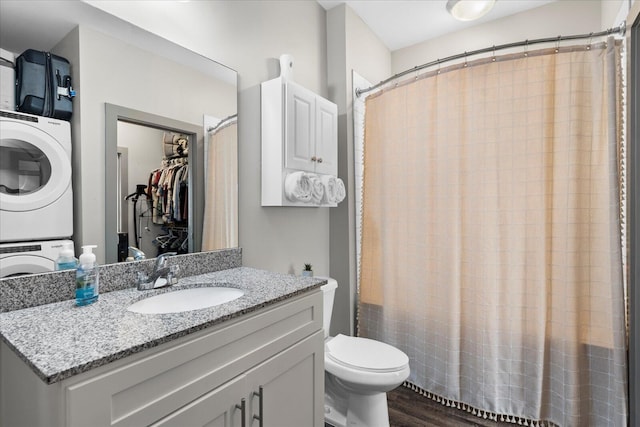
(286, 382)
(196, 380)
(299, 133)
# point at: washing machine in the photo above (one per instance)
(17, 259)
(36, 199)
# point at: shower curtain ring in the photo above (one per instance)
(438, 62)
(493, 57)
(558, 44)
(526, 47)
(465, 58)
(590, 40)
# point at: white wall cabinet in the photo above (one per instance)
(311, 124)
(299, 133)
(200, 379)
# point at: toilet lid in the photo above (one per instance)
(365, 354)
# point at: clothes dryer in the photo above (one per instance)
(17, 259)
(36, 199)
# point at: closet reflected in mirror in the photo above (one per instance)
(153, 193)
(175, 186)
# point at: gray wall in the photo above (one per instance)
(351, 46)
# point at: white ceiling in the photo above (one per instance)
(402, 23)
(398, 23)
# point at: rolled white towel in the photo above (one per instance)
(297, 187)
(341, 192)
(329, 182)
(317, 189)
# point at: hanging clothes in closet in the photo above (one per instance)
(168, 191)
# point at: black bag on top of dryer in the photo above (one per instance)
(43, 85)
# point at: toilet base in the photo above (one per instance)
(346, 409)
(335, 402)
(364, 411)
(368, 410)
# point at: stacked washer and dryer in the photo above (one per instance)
(36, 199)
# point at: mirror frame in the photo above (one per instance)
(116, 113)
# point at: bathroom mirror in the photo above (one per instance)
(148, 81)
(168, 171)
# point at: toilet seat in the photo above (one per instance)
(364, 354)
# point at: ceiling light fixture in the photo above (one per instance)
(468, 10)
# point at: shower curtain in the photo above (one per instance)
(220, 229)
(491, 235)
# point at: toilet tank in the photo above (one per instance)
(328, 292)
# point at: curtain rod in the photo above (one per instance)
(616, 30)
(222, 122)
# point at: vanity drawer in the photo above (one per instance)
(143, 389)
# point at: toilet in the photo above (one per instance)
(358, 374)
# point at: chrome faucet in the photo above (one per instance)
(161, 276)
(136, 253)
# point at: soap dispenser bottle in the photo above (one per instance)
(87, 277)
(66, 259)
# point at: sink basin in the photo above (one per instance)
(186, 300)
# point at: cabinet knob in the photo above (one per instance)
(319, 159)
(314, 159)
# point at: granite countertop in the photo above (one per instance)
(59, 340)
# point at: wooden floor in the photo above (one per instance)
(409, 409)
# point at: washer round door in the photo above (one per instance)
(35, 170)
(20, 265)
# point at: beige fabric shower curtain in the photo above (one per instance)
(491, 235)
(220, 229)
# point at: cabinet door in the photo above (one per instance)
(215, 409)
(326, 149)
(299, 131)
(292, 385)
